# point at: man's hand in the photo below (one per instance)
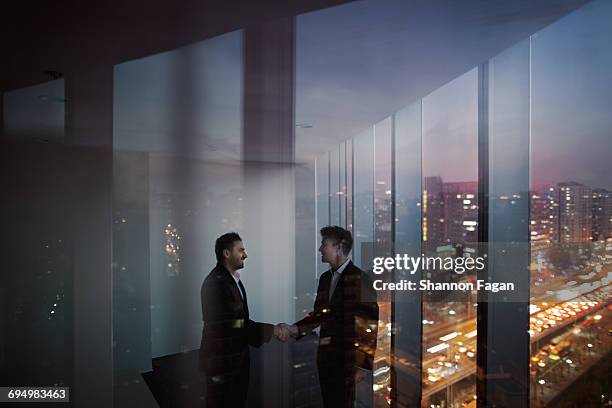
(293, 330)
(283, 331)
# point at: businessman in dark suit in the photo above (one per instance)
(346, 311)
(228, 331)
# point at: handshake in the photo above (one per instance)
(283, 331)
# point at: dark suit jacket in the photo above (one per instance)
(228, 331)
(344, 342)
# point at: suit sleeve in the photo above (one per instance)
(313, 319)
(219, 316)
(259, 333)
(366, 324)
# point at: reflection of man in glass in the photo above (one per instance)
(346, 311)
(228, 332)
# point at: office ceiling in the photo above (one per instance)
(360, 62)
(356, 61)
(72, 35)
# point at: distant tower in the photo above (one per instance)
(602, 214)
(461, 212)
(575, 208)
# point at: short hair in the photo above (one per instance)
(340, 236)
(225, 241)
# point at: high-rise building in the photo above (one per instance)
(450, 211)
(544, 223)
(575, 207)
(461, 211)
(601, 214)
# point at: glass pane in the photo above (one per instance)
(571, 61)
(306, 242)
(408, 175)
(342, 189)
(363, 195)
(41, 209)
(322, 202)
(170, 110)
(180, 183)
(182, 102)
(383, 219)
(407, 307)
(349, 184)
(382, 182)
(334, 186)
(508, 230)
(450, 213)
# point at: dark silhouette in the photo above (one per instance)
(228, 331)
(348, 321)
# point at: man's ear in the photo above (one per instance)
(340, 246)
(226, 253)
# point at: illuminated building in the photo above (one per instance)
(544, 220)
(575, 202)
(461, 211)
(602, 214)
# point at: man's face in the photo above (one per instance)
(330, 250)
(235, 258)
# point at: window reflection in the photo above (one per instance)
(342, 191)
(40, 224)
(450, 215)
(177, 139)
(334, 186)
(363, 195)
(322, 201)
(571, 245)
(406, 314)
(506, 81)
(383, 240)
(565, 215)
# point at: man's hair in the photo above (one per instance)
(340, 236)
(225, 241)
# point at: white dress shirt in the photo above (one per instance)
(336, 277)
(236, 276)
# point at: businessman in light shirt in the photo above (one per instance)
(346, 312)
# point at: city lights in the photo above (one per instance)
(172, 249)
(439, 347)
